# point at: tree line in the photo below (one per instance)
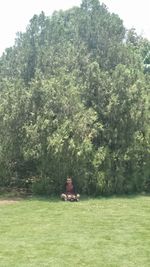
(74, 100)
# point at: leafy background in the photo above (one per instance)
(74, 100)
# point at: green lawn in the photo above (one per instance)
(106, 232)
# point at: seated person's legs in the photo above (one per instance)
(73, 197)
(70, 197)
(77, 196)
(63, 196)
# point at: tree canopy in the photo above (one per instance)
(75, 100)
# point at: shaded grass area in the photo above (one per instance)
(106, 232)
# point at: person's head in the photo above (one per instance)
(69, 180)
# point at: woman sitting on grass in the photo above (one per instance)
(70, 193)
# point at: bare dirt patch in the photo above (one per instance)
(9, 201)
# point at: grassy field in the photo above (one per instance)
(106, 232)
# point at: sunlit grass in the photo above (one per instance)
(106, 232)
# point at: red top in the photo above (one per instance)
(69, 189)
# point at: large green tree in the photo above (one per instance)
(74, 99)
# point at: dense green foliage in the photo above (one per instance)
(74, 100)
